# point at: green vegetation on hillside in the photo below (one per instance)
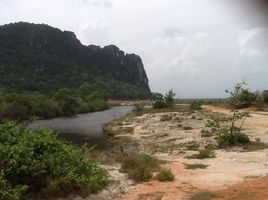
(36, 162)
(40, 58)
(65, 102)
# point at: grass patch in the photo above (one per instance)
(125, 130)
(196, 166)
(203, 195)
(165, 175)
(139, 167)
(165, 118)
(203, 154)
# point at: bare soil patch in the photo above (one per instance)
(170, 141)
(250, 189)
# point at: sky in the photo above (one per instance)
(198, 48)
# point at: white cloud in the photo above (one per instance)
(105, 3)
(201, 49)
(178, 54)
(252, 43)
(93, 32)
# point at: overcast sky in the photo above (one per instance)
(197, 47)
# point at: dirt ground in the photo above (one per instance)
(226, 174)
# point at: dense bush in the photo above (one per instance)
(196, 105)
(139, 166)
(259, 103)
(265, 96)
(159, 104)
(227, 138)
(202, 154)
(167, 102)
(165, 175)
(64, 102)
(37, 162)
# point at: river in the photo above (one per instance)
(83, 128)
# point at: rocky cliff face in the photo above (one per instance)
(35, 56)
(130, 64)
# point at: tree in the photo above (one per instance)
(169, 98)
(167, 102)
(265, 96)
(69, 104)
(235, 102)
(259, 102)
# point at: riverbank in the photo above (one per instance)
(180, 135)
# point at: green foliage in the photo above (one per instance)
(44, 59)
(240, 97)
(139, 166)
(259, 102)
(168, 101)
(196, 105)
(265, 96)
(196, 166)
(228, 138)
(38, 162)
(9, 192)
(169, 98)
(64, 102)
(203, 154)
(159, 104)
(165, 175)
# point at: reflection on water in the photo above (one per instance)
(83, 128)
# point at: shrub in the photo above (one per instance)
(139, 108)
(204, 153)
(259, 103)
(168, 101)
(196, 166)
(9, 192)
(159, 104)
(169, 98)
(227, 138)
(265, 96)
(165, 175)
(139, 166)
(40, 162)
(196, 105)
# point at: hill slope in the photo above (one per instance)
(37, 57)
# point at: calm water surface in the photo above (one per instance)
(83, 128)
